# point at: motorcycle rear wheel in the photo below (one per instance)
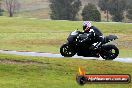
(109, 52)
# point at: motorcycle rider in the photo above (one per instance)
(93, 32)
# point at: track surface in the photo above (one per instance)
(125, 60)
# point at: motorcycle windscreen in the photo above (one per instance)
(71, 38)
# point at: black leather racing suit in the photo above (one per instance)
(98, 36)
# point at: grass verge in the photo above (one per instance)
(55, 72)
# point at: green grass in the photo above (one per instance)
(55, 73)
(48, 35)
(25, 25)
(125, 53)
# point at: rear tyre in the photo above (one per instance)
(109, 52)
(67, 51)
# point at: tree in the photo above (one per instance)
(64, 9)
(1, 10)
(129, 14)
(115, 7)
(91, 13)
(104, 6)
(118, 17)
(129, 9)
(12, 6)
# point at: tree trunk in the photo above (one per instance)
(107, 17)
(10, 14)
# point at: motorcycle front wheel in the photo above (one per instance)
(67, 51)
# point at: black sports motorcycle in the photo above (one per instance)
(73, 46)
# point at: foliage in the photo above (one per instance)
(1, 12)
(64, 9)
(91, 13)
(103, 4)
(115, 7)
(118, 17)
(129, 14)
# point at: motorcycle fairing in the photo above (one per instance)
(109, 38)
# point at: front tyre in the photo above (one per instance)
(67, 51)
(109, 52)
